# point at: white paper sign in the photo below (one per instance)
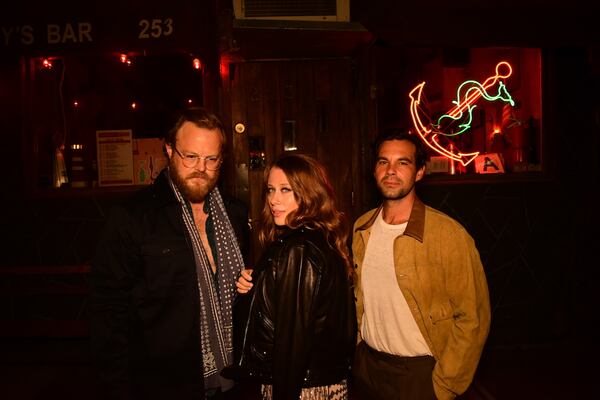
(115, 157)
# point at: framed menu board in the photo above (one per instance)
(115, 157)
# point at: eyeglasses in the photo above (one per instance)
(211, 163)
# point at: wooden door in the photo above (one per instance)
(305, 106)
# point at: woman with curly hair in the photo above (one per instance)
(301, 331)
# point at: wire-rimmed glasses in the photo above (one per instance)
(211, 163)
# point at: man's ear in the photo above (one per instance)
(420, 174)
(168, 150)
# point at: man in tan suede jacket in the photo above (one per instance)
(422, 298)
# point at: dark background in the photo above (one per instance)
(537, 236)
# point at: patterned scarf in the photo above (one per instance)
(216, 290)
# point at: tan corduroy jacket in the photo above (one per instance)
(439, 271)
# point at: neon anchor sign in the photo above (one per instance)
(437, 134)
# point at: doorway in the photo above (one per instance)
(296, 106)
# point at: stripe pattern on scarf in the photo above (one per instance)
(216, 291)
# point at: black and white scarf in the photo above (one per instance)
(217, 291)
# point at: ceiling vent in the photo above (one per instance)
(296, 10)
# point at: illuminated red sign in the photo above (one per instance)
(437, 134)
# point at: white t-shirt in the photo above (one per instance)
(387, 323)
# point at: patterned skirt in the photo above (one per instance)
(338, 391)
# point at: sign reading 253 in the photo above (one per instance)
(155, 28)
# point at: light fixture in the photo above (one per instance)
(197, 63)
(47, 63)
(125, 59)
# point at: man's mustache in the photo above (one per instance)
(390, 178)
(197, 175)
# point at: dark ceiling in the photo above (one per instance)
(471, 23)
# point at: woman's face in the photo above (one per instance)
(280, 196)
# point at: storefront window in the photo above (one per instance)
(72, 98)
(480, 110)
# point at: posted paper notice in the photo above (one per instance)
(115, 157)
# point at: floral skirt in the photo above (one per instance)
(337, 391)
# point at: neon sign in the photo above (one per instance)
(459, 118)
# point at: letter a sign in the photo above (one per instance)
(489, 163)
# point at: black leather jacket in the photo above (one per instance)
(301, 325)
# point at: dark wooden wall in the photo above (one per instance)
(316, 103)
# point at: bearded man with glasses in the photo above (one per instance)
(163, 277)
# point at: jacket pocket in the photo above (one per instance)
(258, 354)
(167, 265)
(441, 312)
(163, 248)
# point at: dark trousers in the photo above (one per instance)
(241, 391)
(382, 376)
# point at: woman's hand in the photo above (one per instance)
(243, 283)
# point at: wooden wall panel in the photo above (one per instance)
(317, 96)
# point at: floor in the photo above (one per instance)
(36, 369)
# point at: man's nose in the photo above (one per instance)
(201, 165)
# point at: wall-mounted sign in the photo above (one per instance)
(131, 26)
(489, 163)
(439, 133)
(148, 160)
(115, 157)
